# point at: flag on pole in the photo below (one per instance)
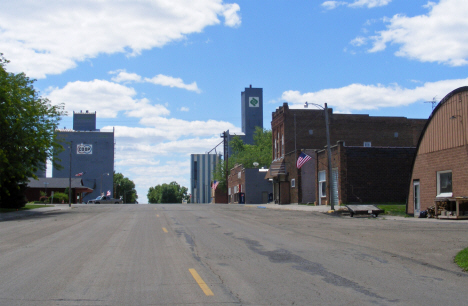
(108, 193)
(80, 174)
(215, 184)
(303, 158)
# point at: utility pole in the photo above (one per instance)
(226, 153)
(330, 176)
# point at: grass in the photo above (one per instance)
(27, 207)
(462, 259)
(394, 209)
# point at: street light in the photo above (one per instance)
(101, 180)
(327, 124)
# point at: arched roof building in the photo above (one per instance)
(440, 167)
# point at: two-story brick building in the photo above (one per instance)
(294, 130)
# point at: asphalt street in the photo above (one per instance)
(226, 255)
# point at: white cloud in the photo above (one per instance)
(232, 18)
(359, 41)
(172, 129)
(104, 97)
(184, 109)
(122, 76)
(42, 38)
(330, 5)
(357, 97)
(369, 3)
(173, 82)
(440, 36)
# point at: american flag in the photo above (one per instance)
(303, 158)
(80, 174)
(108, 193)
(215, 184)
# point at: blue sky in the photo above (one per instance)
(168, 74)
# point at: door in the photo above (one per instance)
(416, 198)
(322, 177)
(264, 197)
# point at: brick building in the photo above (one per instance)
(364, 174)
(248, 186)
(296, 129)
(440, 168)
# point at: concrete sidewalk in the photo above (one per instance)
(30, 212)
(326, 208)
(320, 208)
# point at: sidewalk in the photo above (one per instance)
(30, 212)
(326, 208)
(320, 208)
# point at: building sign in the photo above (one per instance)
(254, 101)
(84, 149)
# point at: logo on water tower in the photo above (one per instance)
(254, 101)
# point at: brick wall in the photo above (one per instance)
(369, 175)
(307, 178)
(354, 130)
(425, 170)
(234, 180)
(378, 175)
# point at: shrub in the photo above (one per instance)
(59, 197)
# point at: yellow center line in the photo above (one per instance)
(201, 283)
(164, 229)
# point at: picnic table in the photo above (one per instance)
(358, 209)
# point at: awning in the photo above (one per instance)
(277, 167)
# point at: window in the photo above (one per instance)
(229, 191)
(282, 146)
(293, 183)
(238, 175)
(444, 183)
(395, 134)
(195, 170)
(367, 144)
(311, 132)
(322, 184)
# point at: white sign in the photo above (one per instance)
(254, 102)
(84, 149)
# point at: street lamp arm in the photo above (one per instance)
(314, 104)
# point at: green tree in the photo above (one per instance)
(260, 152)
(124, 188)
(167, 193)
(27, 124)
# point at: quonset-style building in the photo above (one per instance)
(440, 168)
(88, 151)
